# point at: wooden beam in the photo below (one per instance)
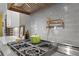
(19, 10)
(27, 8)
(9, 5)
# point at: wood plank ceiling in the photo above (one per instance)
(27, 8)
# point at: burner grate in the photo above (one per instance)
(33, 51)
(21, 46)
(25, 48)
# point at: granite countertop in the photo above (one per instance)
(3, 45)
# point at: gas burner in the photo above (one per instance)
(20, 46)
(33, 51)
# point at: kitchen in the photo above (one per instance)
(28, 21)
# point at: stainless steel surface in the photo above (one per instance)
(62, 50)
(69, 50)
(59, 54)
(23, 47)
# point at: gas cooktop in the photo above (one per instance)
(26, 48)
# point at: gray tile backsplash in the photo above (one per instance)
(70, 14)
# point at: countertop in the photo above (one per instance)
(3, 45)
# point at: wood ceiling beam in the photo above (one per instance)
(9, 5)
(19, 10)
(27, 8)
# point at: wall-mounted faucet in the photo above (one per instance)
(54, 24)
(51, 23)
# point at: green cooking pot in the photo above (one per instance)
(35, 39)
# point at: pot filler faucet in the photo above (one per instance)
(54, 24)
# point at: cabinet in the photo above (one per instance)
(12, 19)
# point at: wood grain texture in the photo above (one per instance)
(27, 8)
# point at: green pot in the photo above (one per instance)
(35, 39)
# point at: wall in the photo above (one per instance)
(70, 14)
(25, 20)
(3, 7)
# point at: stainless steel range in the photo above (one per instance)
(25, 48)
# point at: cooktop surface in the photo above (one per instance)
(26, 48)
